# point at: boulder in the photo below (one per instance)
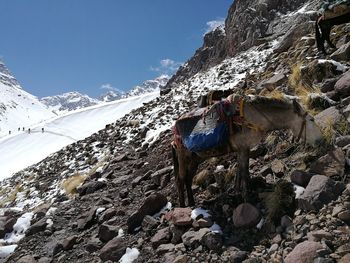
(277, 80)
(163, 236)
(87, 219)
(342, 53)
(90, 187)
(328, 117)
(37, 227)
(301, 178)
(345, 259)
(342, 86)
(246, 215)
(113, 250)
(344, 216)
(331, 164)
(180, 216)
(320, 191)
(107, 232)
(304, 252)
(194, 238)
(6, 225)
(152, 204)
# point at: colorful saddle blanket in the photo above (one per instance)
(205, 128)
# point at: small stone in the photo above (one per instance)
(149, 223)
(213, 241)
(304, 252)
(113, 250)
(165, 248)
(69, 242)
(273, 248)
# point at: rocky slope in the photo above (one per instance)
(99, 198)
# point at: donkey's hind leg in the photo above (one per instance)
(241, 184)
(326, 32)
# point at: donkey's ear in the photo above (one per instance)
(297, 108)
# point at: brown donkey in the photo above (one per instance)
(261, 115)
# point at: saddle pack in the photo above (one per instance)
(208, 127)
(335, 8)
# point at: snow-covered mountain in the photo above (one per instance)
(18, 108)
(111, 95)
(68, 101)
(149, 86)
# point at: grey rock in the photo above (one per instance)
(152, 204)
(194, 238)
(149, 223)
(301, 178)
(213, 241)
(342, 141)
(37, 227)
(342, 53)
(87, 220)
(107, 232)
(69, 242)
(328, 117)
(331, 164)
(90, 187)
(320, 191)
(27, 259)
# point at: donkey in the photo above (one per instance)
(323, 29)
(261, 115)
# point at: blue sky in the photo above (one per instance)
(58, 46)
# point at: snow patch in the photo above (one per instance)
(6, 250)
(199, 211)
(130, 255)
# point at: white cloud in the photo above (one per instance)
(167, 66)
(212, 25)
(108, 86)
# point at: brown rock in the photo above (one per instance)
(278, 167)
(27, 259)
(163, 236)
(246, 215)
(69, 242)
(180, 216)
(342, 87)
(304, 252)
(345, 259)
(113, 250)
(107, 232)
(344, 216)
(328, 117)
(342, 53)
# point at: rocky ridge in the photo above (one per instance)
(116, 180)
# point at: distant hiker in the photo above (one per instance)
(42, 129)
(9, 132)
(23, 128)
(28, 130)
(19, 128)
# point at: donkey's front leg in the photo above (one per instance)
(180, 185)
(243, 169)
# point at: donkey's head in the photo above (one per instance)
(304, 126)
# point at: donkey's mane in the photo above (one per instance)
(282, 103)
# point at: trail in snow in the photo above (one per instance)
(21, 150)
